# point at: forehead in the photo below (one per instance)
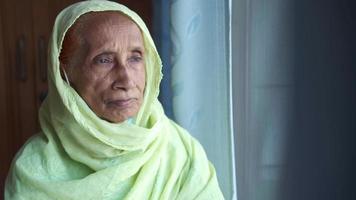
(98, 20)
(98, 28)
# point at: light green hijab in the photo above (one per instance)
(79, 156)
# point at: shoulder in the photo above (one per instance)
(181, 136)
(199, 174)
(31, 151)
(182, 144)
(24, 166)
(38, 166)
(30, 154)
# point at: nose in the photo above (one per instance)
(122, 78)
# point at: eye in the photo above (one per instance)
(103, 59)
(135, 59)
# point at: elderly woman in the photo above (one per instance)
(104, 133)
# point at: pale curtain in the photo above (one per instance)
(200, 80)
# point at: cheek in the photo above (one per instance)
(143, 81)
(143, 78)
(96, 78)
(91, 87)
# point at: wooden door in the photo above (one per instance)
(4, 118)
(24, 34)
(20, 114)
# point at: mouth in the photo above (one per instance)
(122, 103)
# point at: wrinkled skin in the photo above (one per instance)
(107, 65)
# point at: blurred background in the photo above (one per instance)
(267, 87)
(293, 64)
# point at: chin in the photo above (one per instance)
(116, 114)
(115, 119)
(119, 118)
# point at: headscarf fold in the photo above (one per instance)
(79, 156)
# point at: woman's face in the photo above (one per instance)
(108, 69)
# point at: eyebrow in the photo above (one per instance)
(105, 53)
(137, 49)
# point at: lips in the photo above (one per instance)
(121, 102)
